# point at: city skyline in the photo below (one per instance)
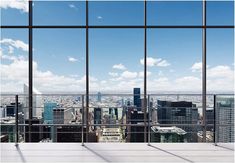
(174, 56)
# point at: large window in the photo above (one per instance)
(220, 60)
(59, 13)
(59, 60)
(116, 13)
(100, 51)
(115, 60)
(173, 55)
(14, 60)
(113, 49)
(174, 13)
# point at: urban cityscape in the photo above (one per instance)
(173, 118)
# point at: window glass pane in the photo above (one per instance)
(14, 60)
(174, 60)
(220, 13)
(116, 13)
(14, 14)
(116, 67)
(116, 59)
(13, 78)
(174, 13)
(220, 60)
(59, 13)
(59, 60)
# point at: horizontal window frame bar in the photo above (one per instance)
(117, 26)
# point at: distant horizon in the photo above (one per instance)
(126, 92)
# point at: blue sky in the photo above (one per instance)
(174, 55)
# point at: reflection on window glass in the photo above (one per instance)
(59, 13)
(116, 59)
(220, 13)
(116, 13)
(59, 60)
(14, 60)
(220, 60)
(174, 13)
(174, 60)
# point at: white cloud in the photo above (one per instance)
(155, 62)
(103, 82)
(8, 57)
(72, 6)
(10, 50)
(15, 43)
(71, 59)
(99, 17)
(220, 71)
(141, 74)
(74, 75)
(163, 63)
(113, 74)
(1, 52)
(219, 78)
(196, 67)
(187, 83)
(15, 74)
(129, 75)
(160, 73)
(21, 5)
(119, 66)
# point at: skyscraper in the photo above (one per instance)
(10, 109)
(225, 119)
(179, 112)
(2, 112)
(63, 116)
(48, 112)
(113, 112)
(99, 97)
(97, 116)
(137, 100)
(136, 133)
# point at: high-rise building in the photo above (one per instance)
(99, 97)
(10, 109)
(37, 102)
(179, 112)
(97, 116)
(225, 117)
(113, 112)
(62, 115)
(36, 131)
(137, 100)
(136, 133)
(48, 112)
(2, 112)
(8, 131)
(210, 119)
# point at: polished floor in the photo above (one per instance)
(116, 152)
